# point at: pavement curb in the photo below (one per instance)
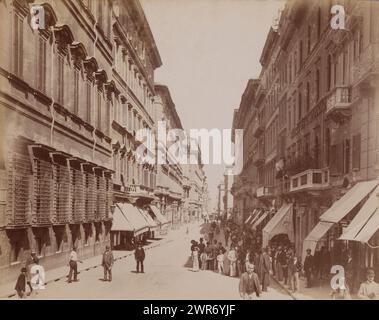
(284, 288)
(163, 241)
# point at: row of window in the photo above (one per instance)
(59, 195)
(60, 75)
(133, 173)
(337, 72)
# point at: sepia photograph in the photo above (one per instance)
(189, 150)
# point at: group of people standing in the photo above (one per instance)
(238, 258)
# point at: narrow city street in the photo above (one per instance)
(167, 276)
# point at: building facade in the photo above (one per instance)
(316, 130)
(73, 97)
(170, 186)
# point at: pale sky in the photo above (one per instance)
(209, 50)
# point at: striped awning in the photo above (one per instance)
(150, 221)
(260, 219)
(160, 217)
(365, 223)
(120, 222)
(135, 217)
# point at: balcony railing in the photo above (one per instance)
(138, 190)
(265, 192)
(338, 103)
(311, 179)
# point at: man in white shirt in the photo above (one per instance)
(369, 289)
(73, 263)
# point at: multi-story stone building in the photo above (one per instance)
(197, 192)
(73, 96)
(169, 187)
(245, 185)
(317, 131)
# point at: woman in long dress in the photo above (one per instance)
(232, 257)
(195, 259)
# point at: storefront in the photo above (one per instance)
(281, 223)
(153, 225)
(122, 231)
(163, 223)
(361, 238)
(332, 222)
(135, 221)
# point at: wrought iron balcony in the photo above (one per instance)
(311, 179)
(338, 104)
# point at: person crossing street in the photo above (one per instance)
(107, 263)
(139, 255)
(73, 264)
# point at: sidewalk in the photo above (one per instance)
(317, 292)
(7, 289)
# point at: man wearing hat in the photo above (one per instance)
(369, 289)
(107, 263)
(308, 267)
(20, 286)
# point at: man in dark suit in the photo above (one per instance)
(308, 267)
(249, 283)
(265, 265)
(21, 284)
(139, 255)
(107, 263)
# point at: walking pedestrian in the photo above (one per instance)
(139, 255)
(201, 253)
(265, 265)
(232, 257)
(226, 235)
(73, 263)
(257, 261)
(317, 261)
(279, 269)
(195, 259)
(249, 284)
(286, 259)
(37, 279)
(20, 286)
(215, 253)
(107, 263)
(308, 267)
(220, 262)
(240, 261)
(30, 261)
(209, 256)
(349, 271)
(294, 269)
